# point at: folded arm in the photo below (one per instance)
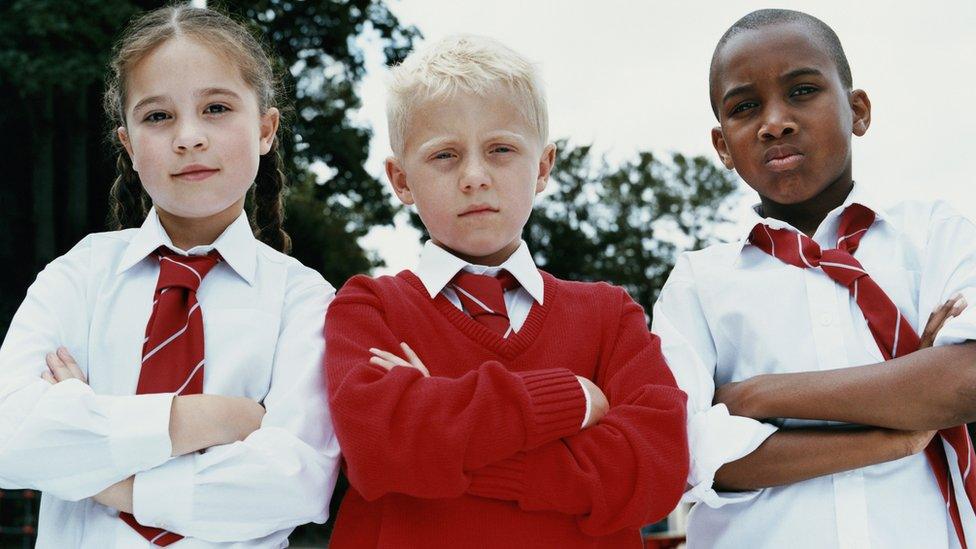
(625, 471)
(406, 433)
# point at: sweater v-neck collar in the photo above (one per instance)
(507, 347)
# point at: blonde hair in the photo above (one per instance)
(463, 63)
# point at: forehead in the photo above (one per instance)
(180, 66)
(768, 52)
(464, 114)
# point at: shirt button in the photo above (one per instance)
(825, 319)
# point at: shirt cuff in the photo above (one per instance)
(139, 430)
(589, 404)
(716, 438)
(162, 497)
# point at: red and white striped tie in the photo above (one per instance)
(172, 352)
(892, 332)
(483, 297)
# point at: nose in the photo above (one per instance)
(190, 136)
(474, 175)
(777, 123)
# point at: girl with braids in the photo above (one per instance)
(184, 403)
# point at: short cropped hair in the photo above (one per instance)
(764, 18)
(463, 63)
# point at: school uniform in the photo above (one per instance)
(489, 450)
(262, 316)
(733, 311)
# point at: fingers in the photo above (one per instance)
(389, 360)
(414, 359)
(69, 361)
(57, 367)
(951, 308)
(61, 366)
(48, 377)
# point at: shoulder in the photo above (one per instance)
(922, 220)
(598, 295)
(298, 280)
(95, 252)
(379, 288)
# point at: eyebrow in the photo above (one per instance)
(804, 71)
(431, 145)
(204, 92)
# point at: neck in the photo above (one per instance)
(188, 232)
(491, 260)
(807, 215)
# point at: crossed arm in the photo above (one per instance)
(196, 422)
(906, 399)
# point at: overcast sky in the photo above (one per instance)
(631, 75)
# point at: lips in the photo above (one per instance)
(195, 172)
(782, 157)
(478, 209)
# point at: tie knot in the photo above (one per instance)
(181, 271)
(841, 266)
(483, 293)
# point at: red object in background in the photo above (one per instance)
(663, 540)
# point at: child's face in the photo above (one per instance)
(193, 130)
(472, 165)
(786, 118)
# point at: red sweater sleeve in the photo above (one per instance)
(626, 471)
(401, 432)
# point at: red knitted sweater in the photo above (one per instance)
(488, 451)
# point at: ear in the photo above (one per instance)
(546, 163)
(123, 136)
(269, 129)
(398, 180)
(722, 148)
(861, 111)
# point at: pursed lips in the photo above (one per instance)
(782, 157)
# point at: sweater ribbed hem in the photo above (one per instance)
(502, 480)
(557, 405)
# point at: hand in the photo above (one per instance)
(61, 366)
(117, 496)
(951, 308)
(390, 360)
(598, 402)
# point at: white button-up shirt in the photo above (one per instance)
(263, 314)
(437, 267)
(731, 312)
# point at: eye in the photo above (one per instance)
(805, 89)
(502, 149)
(155, 117)
(216, 108)
(442, 155)
(742, 107)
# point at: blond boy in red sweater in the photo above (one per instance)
(478, 400)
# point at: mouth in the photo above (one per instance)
(783, 157)
(195, 172)
(478, 209)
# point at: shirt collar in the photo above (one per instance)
(437, 267)
(859, 195)
(236, 245)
